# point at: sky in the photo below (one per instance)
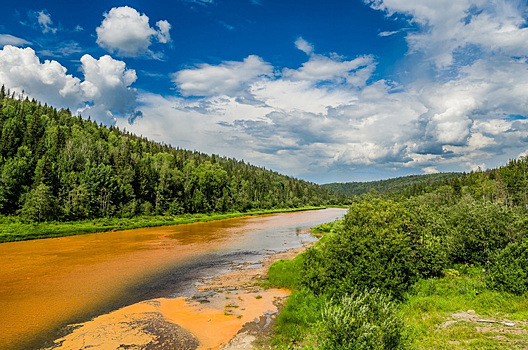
(326, 91)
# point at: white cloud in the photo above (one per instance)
(45, 22)
(330, 115)
(7, 39)
(163, 31)
(388, 33)
(447, 27)
(201, 2)
(21, 69)
(104, 92)
(127, 32)
(286, 95)
(227, 78)
(430, 170)
(107, 83)
(304, 46)
(333, 69)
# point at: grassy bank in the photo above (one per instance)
(456, 311)
(449, 313)
(16, 229)
(439, 313)
(298, 320)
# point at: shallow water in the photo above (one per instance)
(48, 284)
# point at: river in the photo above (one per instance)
(48, 284)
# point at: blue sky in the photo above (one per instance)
(322, 90)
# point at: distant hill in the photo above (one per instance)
(382, 186)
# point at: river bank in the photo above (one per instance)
(47, 284)
(229, 311)
(13, 228)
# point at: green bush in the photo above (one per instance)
(508, 269)
(478, 230)
(361, 321)
(372, 249)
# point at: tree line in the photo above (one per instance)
(55, 166)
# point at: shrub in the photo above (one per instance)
(478, 230)
(508, 269)
(372, 249)
(362, 321)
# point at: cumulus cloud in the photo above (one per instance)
(430, 170)
(105, 90)
(21, 69)
(330, 114)
(7, 39)
(227, 78)
(107, 83)
(163, 34)
(128, 33)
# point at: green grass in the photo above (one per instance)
(295, 325)
(14, 228)
(285, 274)
(432, 303)
(427, 311)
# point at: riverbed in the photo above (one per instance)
(46, 285)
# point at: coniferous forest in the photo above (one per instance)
(55, 166)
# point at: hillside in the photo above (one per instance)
(55, 166)
(382, 186)
(417, 270)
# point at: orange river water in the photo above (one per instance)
(48, 284)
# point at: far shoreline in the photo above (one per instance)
(13, 229)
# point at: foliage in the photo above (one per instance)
(300, 316)
(415, 183)
(325, 228)
(80, 170)
(427, 246)
(478, 229)
(299, 320)
(508, 269)
(39, 204)
(361, 321)
(373, 250)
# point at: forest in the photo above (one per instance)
(405, 183)
(59, 167)
(425, 267)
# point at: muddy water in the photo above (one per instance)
(48, 284)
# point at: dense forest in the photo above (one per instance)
(405, 183)
(401, 266)
(55, 166)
